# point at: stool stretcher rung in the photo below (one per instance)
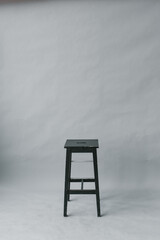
(81, 161)
(82, 179)
(77, 191)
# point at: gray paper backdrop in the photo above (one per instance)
(80, 69)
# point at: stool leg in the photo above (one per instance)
(66, 182)
(69, 174)
(96, 181)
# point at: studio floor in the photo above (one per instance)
(36, 215)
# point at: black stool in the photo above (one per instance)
(81, 146)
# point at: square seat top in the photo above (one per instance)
(85, 143)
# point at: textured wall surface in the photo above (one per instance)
(81, 69)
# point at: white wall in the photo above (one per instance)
(81, 69)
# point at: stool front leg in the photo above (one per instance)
(66, 182)
(69, 173)
(96, 181)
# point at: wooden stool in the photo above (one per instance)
(81, 146)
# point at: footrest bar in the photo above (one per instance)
(77, 191)
(82, 179)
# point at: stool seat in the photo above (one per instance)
(85, 143)
(81, 146)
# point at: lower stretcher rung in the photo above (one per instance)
(86, 191)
